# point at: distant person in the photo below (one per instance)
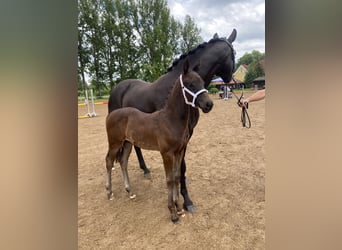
(257, 96)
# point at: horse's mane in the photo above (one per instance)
(193, 51)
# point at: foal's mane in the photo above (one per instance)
(193, 51)
(170, 92)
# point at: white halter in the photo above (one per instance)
(194, 95)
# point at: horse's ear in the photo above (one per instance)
(196, 68)
(186, 66)
(232, 36)
(215, 36)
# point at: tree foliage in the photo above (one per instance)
(158, 33)
(190, 34)
(254, 67)
(120, 39)
(249, 58)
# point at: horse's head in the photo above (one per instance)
(227, 63)
(220, 58)
(193, 88)
(217, 58)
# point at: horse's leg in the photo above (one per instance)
(188, 205)
(142, 164)
(168, 160)
(127, 149)
(109, 165)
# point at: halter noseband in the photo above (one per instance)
(194, 95)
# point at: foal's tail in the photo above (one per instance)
(124, 151)
(119, 155)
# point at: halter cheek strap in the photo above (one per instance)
(194, 95)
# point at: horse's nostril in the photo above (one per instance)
(209, 106)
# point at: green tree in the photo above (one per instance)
(190, 35)
(121, 53)
(249, 58)
(93, 31)
(254, 67)
(83, 46)
(157, 32)
(250, 76)
(120, 39)
(254, 70)
(110, 42)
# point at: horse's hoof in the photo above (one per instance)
(147, 175)
(190, 208)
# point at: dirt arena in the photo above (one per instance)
(225, 178)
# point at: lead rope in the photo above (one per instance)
(244, 112)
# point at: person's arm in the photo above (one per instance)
(257, 96)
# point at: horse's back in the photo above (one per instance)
(119, 92)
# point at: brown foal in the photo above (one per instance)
(166, 130)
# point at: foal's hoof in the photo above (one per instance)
(132, 196)
(110, 196)
(175, 220)
(181, 213)
(190, 208)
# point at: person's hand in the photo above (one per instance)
(243, 103)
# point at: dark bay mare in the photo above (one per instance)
(166, 130)
(217, 57)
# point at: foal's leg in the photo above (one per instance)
(176, 170)
(188, 205)
(168, 160)
(109, 165)
(127, 149)
(142, 164)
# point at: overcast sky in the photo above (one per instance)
(221, 16)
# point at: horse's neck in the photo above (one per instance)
(207, 66)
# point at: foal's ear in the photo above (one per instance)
(186, 66)
(215, 36)
(196, 68)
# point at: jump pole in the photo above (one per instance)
(93, 114)
(86, 103)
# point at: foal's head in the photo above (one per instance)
(193, 88)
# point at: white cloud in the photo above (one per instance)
(178, 11)
(221, 16)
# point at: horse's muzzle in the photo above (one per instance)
(207, 106)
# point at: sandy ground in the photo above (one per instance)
(226, 182)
